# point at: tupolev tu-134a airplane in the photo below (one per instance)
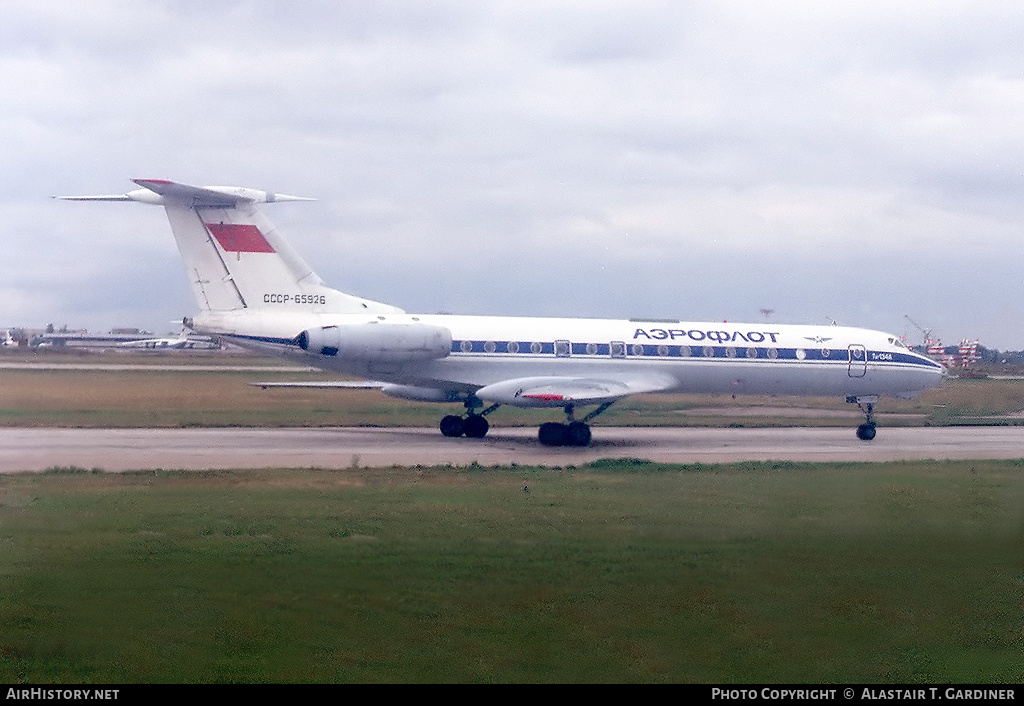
(253, 289)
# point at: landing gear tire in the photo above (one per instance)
(475, 427)
(453, 426)
(573, 434)
(577, 434)
(866, 432)
(552, 434)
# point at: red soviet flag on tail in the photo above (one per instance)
(234, 237)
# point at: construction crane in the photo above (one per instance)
(933, 346)
(926, 333)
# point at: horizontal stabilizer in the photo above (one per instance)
(111, 197)
(163, 192)
(212, 195)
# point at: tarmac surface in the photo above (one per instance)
(35, 449)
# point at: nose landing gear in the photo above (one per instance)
(866, 431)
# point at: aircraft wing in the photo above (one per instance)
(546, 391)
(324, 384)
(562, 391)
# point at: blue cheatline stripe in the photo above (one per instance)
(696, 352)
(840, 356)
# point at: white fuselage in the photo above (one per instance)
(697, 357)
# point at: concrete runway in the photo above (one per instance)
(126, 449)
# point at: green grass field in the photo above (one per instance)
(615, 572)
(178, 398)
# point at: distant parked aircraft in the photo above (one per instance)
(183, 341)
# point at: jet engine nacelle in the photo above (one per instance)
(377, 342)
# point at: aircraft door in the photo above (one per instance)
(858, 360)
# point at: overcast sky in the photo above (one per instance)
(850, 161)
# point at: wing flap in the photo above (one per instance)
(562, 391)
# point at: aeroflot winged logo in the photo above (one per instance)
(234, 237)
(819, 339)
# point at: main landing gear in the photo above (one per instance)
(572, 433)
(866, 431)
(473, 425)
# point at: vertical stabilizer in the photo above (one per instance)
(235, 258)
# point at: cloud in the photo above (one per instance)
(585, 159)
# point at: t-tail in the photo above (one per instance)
(235, 258)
